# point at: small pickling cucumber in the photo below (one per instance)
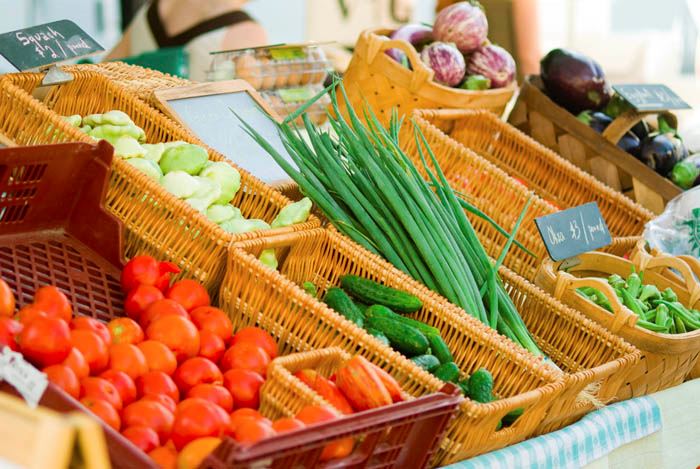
(405, 339)
(379, 335)
(447, 372)
(338, 300)
(439, 348)
(384, 312)
(372, 292)
(481, 386)
(427, 362)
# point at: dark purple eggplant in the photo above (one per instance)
(631, 144)
(574, 81)
(595, 120)
(662, 152)
(641, 130)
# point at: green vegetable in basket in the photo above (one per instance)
(208, 190)
(310, 288)
(111, 132)
(219, 213)
(116, 117)
(616, 281)
(188, 157)
(180, 184)
(634, 285)
(86, 129)
(661, 315)
(149, 168)
(75, 120)
(669, 295)
(649, 292)
(512, 416)
(680, 325)
(93, 120)
(154, 151)
(631, 303)
(297, 212)
(340, 302)
(128, 147)
(240, 225)
(226, 176)
(476, 83)
(481, 386)
(268, 258)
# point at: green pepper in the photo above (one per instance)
(669, 295)
(629, 301)
(616, 281)
(680, 326)
(649, 292)
(634, 285)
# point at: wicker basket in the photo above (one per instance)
(322, 256)
(667, 358)
(375, 79)
(155, 221)
(558, 129)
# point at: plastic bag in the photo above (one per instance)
(677, 230)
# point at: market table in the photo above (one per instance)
(656, 431)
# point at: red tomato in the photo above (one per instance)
(211, 346)
(76, 362)
(7, 300)
(194, 453)
(9, 329)
(209, 318)
(125, 331)
(139, 299)
(244, 386)
(127, 358)
(30, 312)
(158, 356)
(165, 401)
(161, 308)
(45, 341)
(258, 337)
(145, 270)
(287, 424)
(251, 431)
(146, 439)
(157, 382)
(165, 457)
(92, 324)
(100, 388)
(54, 302)
(196, 418)
(196, 371)
(241, 415)
(315, 414)
(123, 383)
(246, 356)
(64, 378)
(178, 334)
(335, 449)
(104, 410)
(189, 293)
(149, 414)
(92, 347)
(215, 393)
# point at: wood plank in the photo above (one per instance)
(574, 151)
(543, 130)
(647, 197)
(606, 172)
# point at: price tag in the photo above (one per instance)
(574, 231)
(46, 44)
(288, 53)
(27, 380)
(650, 97)
(295, 95)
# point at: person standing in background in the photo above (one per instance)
(198, 26)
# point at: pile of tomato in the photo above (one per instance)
(171, 376)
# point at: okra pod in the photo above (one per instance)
(661, 315)
(649, 292)
(634, 285)
(629, 301)
(616, 281)
(680, 326)
(651, 326)
(669, 295)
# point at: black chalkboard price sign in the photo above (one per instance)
(651, 97)
(46, 44)
(573, 231)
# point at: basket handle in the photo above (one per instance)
(628, 119)
(621, 314)
(420, 74)
(646, 261)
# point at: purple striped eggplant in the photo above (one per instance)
(446, 62)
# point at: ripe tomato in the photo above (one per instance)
(146, 439)
(215, 393)
(196, 371)
(244, 386)
(157, 382)
(196, 418)
(189, 293)
(178, 334)
(246, 356)
(194, 453)
(317, 414)
(54, 302)
(104, 410)
(76, 362)
(127, 358)
(7, 300)
(251, 431)
(145, 270)
(240, 415)
(9, 329)
(161, 308)
(165, 457)
(158, 356)
(258, 337)
(28, 313)
(125, 331)
(45, 341)
(211, 346)
(139, 299)
(165, 401)
(287, 424)
(149, 414)
(209, 318)
(64, 378)
(124, 384)
(92, 347)
(92, 324)
(100, 388)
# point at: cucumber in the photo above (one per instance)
(384, 312)
(338, 300)
(371, 292)
(481, 386)
(464, 386)
(512, 416)
(448, 372)
(439, 348)
(406, 339)
(427, 362)
(379, 335)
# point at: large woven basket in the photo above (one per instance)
(155, 221)
(667, 359)
(375, 79)
(322, 256)
(552, 177)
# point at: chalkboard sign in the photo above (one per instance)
(208, 110)
(651, 97)
(574, 231)
(46, 44)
